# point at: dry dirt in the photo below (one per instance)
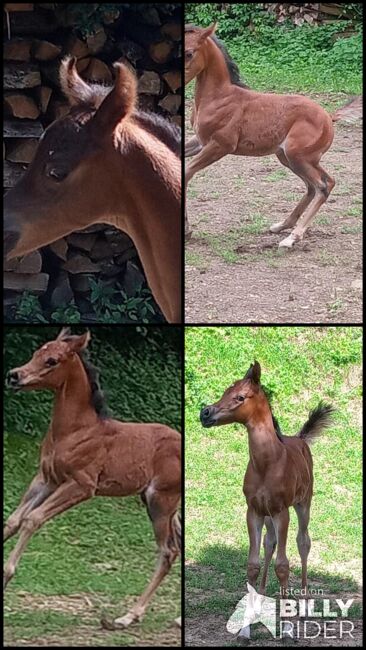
(234, 270)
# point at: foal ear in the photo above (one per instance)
(64, 333)
(74, 88)
(254, 372)
(79, 343)
(205, 33)
(120, 102)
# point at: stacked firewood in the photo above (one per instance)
(37, 36)
(313, 13)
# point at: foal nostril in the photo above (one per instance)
(12, 378)
(206, 412)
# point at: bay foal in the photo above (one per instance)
(87, 454)
(105, 162)
(230, 118)
(279, 473)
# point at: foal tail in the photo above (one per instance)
(320, 418)
(350, 111)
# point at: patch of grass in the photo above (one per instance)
(193, 258)
(355, 211)
(276, 175)
(351, 230)
(300, 365)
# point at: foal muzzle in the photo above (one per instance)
(207, 416)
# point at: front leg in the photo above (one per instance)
(64, 497)
(36, 493)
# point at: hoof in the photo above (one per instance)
(276, 227)
(287, 243)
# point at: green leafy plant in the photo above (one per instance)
(66, 314)
(28, 309)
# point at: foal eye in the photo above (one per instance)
(56, 174)
(240, 398)
(51, 362)
(189, 55)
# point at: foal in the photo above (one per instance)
(279, 473)
(105, 162)
(230, 118)
(86, 454)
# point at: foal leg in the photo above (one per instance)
(162, 509)
(323, 184)
(255, 525)
(36, 493)
(281, 522)
(269, 544)
(192, 147)
(64, 497)
(290, 221)
(303, 541)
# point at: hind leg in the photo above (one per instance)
(303, 540)
(291, 220)
(162, 509)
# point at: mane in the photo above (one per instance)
(97, 397)
(269, 394)
(232, 67)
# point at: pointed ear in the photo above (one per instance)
(120, 102)
(254, 372)
(73, 86)
(205, 33)
(79, 343)
(64, 333)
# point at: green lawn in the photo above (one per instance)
(99, 556)
(301, 365)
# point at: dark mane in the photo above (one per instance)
(97, 396)
(269, 394)
(230, 64)
(166, 131)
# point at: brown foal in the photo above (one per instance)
(279, 473)
(105, 162)
(230, 118)
(87, 454)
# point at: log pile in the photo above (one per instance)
(313, 13)
(37, 37)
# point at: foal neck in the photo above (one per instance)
(72, 407)
(264, 445)
(215, 73)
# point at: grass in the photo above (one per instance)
(103, 549)
(301, 365)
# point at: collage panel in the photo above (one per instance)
(80, 569)
(273, 486)
(273, 163)
(92, 161)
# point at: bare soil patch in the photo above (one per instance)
(234, 270)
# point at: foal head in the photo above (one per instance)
(239, 403)
(50, 364)
(67, 185)
(194, 41)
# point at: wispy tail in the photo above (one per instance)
(350, 111)
(320, 418)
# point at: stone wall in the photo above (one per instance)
(37, 36)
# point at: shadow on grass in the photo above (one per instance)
(217, 581)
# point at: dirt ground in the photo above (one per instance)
(234, 269)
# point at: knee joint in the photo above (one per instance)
(253, 571)
(282, 570)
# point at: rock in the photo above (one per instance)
(101, 250)
(133, 279)
(150, 15)
(44, 95)
(97, 71)
(130, 50)
(109, 268)
(149, 83)
(171, 103)
(80, 283)
(82, 64)
(25, 282)
(46, 51)
(84, 241)
(31, 263)
(160, 52)
(60, 248)
(62, 293)
(76, 47)
(129, 254)
(21, 75)
(173, 79)
(15, 129)
(19, 6)
(58, 108)
(22, 150)
(22, 106)
(95, 42)
(177, 119)
(12, 173)
(37, 23)
(80, 264)
(174, 30)
(18, 49)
